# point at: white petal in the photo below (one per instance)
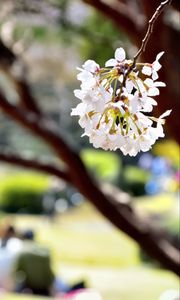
(145, 144)
(120, 54)
(159, 83)
(152, 132)
(88, 83)
(79, 69)
(133, 152)
(141, 85)
(153, 91)
(112, 137)
(152, 101)
(147, 70)
(84, 75)
(159, 55)
(79, 110)
(156, 66)
(111, 63)
(160, 130)
(90, 65)
(84, 122)
(149, 82)
(143, 120)
(121, 77)
(154, 75)
(165, 114)
(129, 85)
(79, 94)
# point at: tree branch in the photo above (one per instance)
(150, 28)
(7, 58)
(146, 38)
(119, 198)
(126, 220)
(35, 165)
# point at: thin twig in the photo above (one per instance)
(152, 21)
(146, 38)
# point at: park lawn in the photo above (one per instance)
(84, 245)
(161, 203)
(128, 284)
(82, 236)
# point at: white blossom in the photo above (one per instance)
(91, 66)
(152, 86)
(153, 68)
(120, 56)
(113, 105)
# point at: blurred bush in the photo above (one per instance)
(134, 180)
(107, 166)
(167, 220)
(103, 165)
(168, 149)
(22, 193)
(104, 35)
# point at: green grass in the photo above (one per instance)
(140, 284)
(83, 237)
(126, 284)
(84, 245)
(162, 203)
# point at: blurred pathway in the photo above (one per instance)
(123, 284)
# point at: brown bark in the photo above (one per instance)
(20, 161)
(7, 58)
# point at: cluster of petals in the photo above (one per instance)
(116, 104)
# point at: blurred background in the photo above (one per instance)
(41, 44)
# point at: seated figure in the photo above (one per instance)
(32, 270)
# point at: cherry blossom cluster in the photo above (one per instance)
(116, 102)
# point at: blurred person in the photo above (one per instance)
(33, 271)
(26, 266)
(10, 245)
(7, 233)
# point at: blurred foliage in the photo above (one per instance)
(160, 204)
(95, 37)
(168, 149)
(164, 208)
(104, 165)
(22, 192)
(134, 180)
(100, 46)
(132, 173)
(163, 211)
(107, 166)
